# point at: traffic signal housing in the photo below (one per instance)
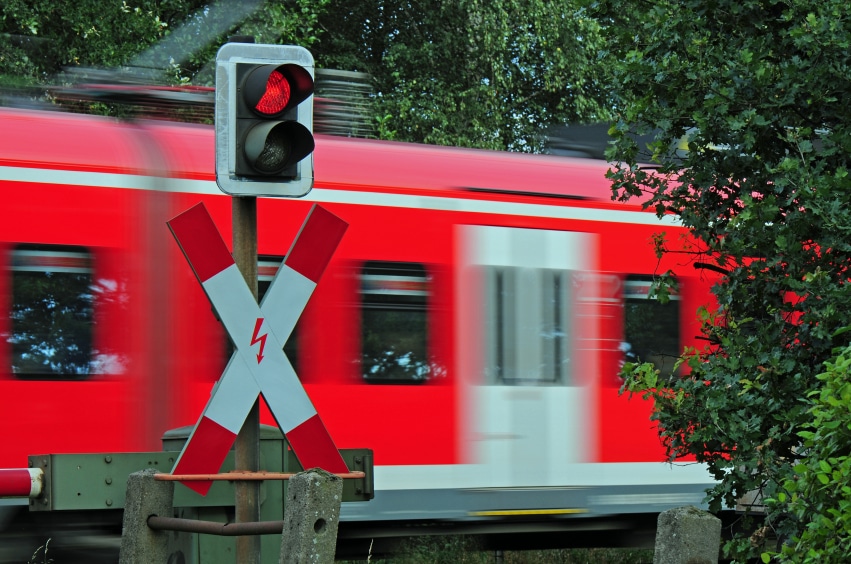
(264, 120)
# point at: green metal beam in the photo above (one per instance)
(98, 481)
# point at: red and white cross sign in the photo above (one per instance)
(259, 365)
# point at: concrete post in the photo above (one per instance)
(687, 535)
(311, 517)
(145, 497)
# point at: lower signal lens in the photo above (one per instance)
(276, 152)
(270, 147)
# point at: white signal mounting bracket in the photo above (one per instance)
(229, 56)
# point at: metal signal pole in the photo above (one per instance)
(247, 446)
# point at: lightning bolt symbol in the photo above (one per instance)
(259, 339)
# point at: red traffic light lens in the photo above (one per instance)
(270, 90)
(276, 96)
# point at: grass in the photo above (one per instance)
(465, 550)
(41, 558)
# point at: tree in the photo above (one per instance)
(288, 22)
(756, 90)
(40, 37)
(178, 38)
(819, 494)
(470, 73)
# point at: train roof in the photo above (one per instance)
(64, 141)
(387, 163)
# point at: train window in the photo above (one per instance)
(651, 328)
(394, 297)
(528, 321)
(52, 315)
(267, 267)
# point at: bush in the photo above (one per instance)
(819, 492)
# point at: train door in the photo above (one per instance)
(525, 350)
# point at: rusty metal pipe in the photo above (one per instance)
(237, 476)
(158, 523)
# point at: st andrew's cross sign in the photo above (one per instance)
(258, 365)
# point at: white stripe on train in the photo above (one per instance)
(330, 196)
(580, 474)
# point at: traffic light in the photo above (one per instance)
(264, 120)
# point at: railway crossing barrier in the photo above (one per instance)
(21, 482)
(258, 366)
(98, 483)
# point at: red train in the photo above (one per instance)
(469, 328)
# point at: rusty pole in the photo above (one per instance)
(247, 448)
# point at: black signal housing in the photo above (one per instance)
(264, 120)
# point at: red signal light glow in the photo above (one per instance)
(276, 97)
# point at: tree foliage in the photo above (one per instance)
(819, 494)
(756, 91)
(40, 37)
(470, 73)
(288, 22)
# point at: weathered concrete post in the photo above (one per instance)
(311, 517)
(145, 497)
(687, 535)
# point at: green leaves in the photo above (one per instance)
(820, 497)
(36, 44)
(471, 73)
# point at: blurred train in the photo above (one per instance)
(469, 329)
